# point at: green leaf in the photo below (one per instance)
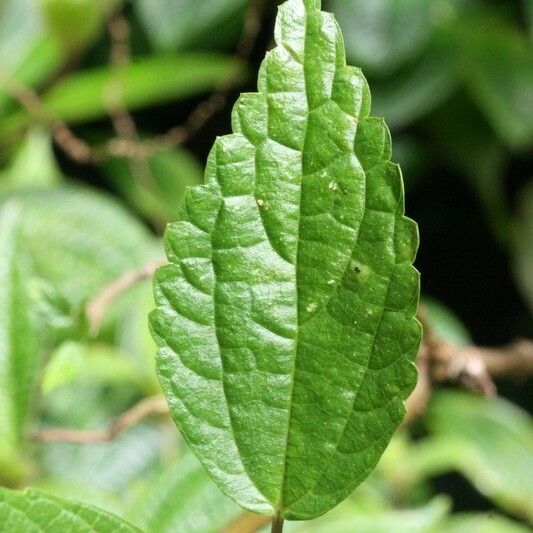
(41, 60)
(528, 8)
(104, 500)
(183, 499)
(127, 459)
(498, 68)
(27, 54)
(155, 191)
(462, 135)
(489, 441)
(76, 23)
(285, 318)
(522, 249)
(20, 26)
(414, 159)
(19, 343)
(480, 523)
(79, 240)
(383, 34)
(133, 337)
(61, 319)
(34, 164)
(445, 323)
(174, 24)
(348, 518)
(97, 363)
(415, 91)
(85, 95)
(32, 511)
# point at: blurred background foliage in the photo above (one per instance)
(105, 118)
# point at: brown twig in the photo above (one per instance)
(473, 367)
(148, 407)
(123, 122)
(199, 117)
(417, 402)
(129, 145)
(77, 149)
(438, 361)
(97, 307)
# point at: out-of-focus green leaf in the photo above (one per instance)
(445, 323)
(412, 156)
(32, 511)
(383, 34)
(184, 499)
(93, 94)
(98, 363)
(79, 239)
(416, 90)
(528, 8)
(290, 284)
(480, 523)
(41, 59)
(111, 466)
(133, 337)
(490, 441)
(463, 136)
(21, 25)
(497, 64)
(156, 186)
(19, 343)
(34, 165)
(76, 22)
(522, 245)
(173, 24)
(27, 54)
(348, 518)
(103, 499)
(61, 319)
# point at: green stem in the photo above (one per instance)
(277, 524)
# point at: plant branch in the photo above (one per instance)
(97, 307)
(206, 109)
(127, 144)
(77, 149)
(438, 361)
(473, 367)
(277, 524)
(148, 407)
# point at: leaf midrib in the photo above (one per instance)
(296, 262)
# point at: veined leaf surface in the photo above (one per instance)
(285, 319)
(33, 511)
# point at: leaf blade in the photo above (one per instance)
(92, 94)
(32, 511)
(19, 343)
(295, 248)
(183, 498)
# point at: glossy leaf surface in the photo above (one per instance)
(285, 318)
(33, 511)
